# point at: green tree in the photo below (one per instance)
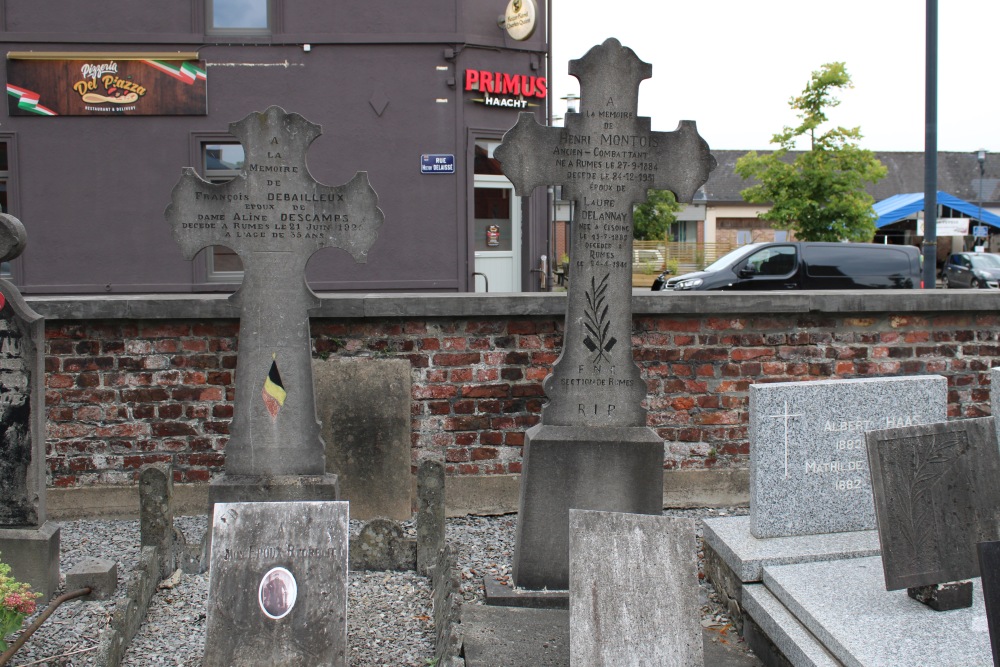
(651, 220)
(820, 194)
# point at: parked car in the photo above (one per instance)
(972, 269)
(805, 265)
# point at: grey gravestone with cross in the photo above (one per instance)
(28, 543)
(593, 449)
(274, 215)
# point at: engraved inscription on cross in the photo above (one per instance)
(605, 158)
(274, 215)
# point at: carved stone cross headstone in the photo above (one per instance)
(593, 450)
(274, 215)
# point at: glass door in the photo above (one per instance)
(496, 233)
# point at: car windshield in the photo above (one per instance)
(985, 261)
(732, 256)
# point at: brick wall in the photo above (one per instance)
(122, 393)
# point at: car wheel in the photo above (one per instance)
(944, 281)
(975, 284)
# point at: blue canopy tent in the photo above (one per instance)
(897, 207)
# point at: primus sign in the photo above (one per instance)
(501, 89)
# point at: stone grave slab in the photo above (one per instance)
(605, 158)
(28, 542)
(364, 407)
(274, 215)
(936, 497)
(808, 468)
(844, 606)
(747, 556)
(633, 590)
(278, 585)
(989, 569)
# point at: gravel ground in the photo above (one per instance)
(389, 613)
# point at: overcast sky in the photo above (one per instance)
(732, 65)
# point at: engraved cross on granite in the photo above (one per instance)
(593, 449)
(606, 158)
(274, 215)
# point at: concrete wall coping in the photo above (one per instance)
(644, 302)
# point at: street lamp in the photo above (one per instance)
(981, 156)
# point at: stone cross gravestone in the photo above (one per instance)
(278, 585)
(633, 597)
(593, 449)
(936, 496)
(28, 543)
(274, 215)
(808, 468)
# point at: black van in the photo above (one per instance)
(805, 265)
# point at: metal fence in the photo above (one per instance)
(655, 256)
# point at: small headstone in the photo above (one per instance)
(30, 545)
(593, 449)
(381, 545)
(278, 585)
(98, 574)
(989, 570)
(633, 597)
(364, 406)
(808, 468)
(156, 513)
(274, 215)
(430, 520)
(936, 496)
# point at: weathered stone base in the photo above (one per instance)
(272, 489)
(612, 469)
(33, 556)
(943, 597)
(502, 595)
(98, 574)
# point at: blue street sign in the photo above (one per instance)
(980, 231)
(437, 164)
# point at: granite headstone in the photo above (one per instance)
(633, 596)
(593, 449)
(274, 215)
(364, 406)
(29, 543)
(278, 585)
(808, 468)
(936, 497)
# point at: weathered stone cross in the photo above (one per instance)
(592, 449)
(274, 215)
(606, 158)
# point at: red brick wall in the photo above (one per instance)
(123, 393)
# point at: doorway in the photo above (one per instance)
(496, 226)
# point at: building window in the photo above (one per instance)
(239, 16)
(222, 162)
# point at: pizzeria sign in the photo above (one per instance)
(106, 86)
